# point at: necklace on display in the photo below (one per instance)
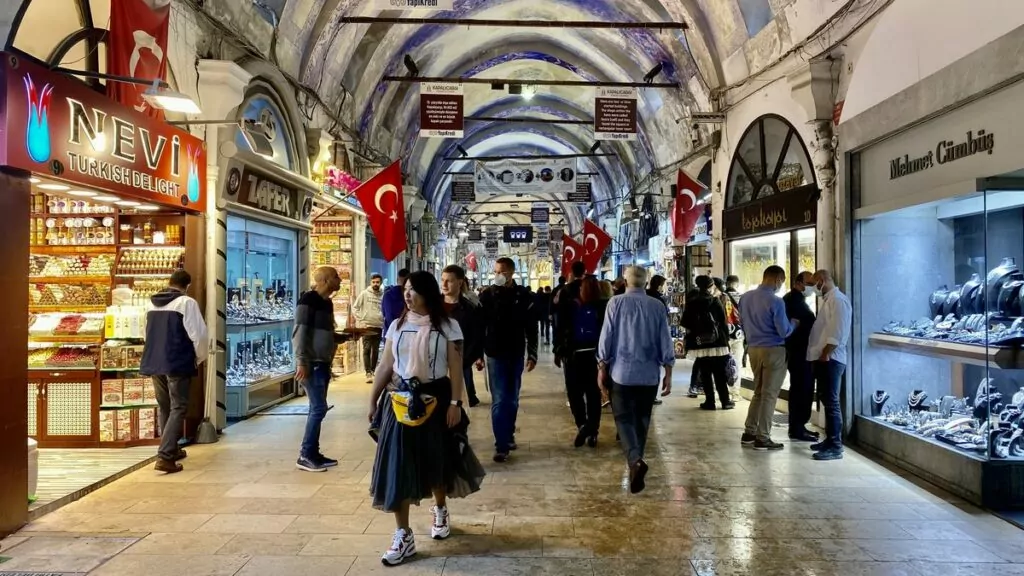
(878, 400)
(916, 399)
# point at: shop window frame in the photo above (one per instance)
(772, 180)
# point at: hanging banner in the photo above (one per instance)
(441, 110)
(518, 176)
(539, 213)
(463, 189)
(615, 114)
(581, 193)
(475, 233)
(137, 48)
(556, 233)
(491, 248)
(413, 5)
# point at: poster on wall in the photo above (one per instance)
(517, 176)
(463, 189)
(539, 213)
(581, 193)
(615, 113)
(441, 110)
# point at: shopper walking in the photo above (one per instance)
(827, 349)
(542, 307)
(468, 314)
(766, 327)
(392, 303)
(657, 288)
(707, 338)
(422, 449)
(576, 353)
(510, 332)
(315, 341)
(634, 346)
(801, 378)
(370, 321)
(176, 344)
(738, 341)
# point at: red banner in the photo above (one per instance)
(137, 48)
(572, 251)
(689, 190)
(595, 242)
(381, 199)
(684, 221)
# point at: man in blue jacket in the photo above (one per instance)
(176, 344)
(393, 301)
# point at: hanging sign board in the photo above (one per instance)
(414, 5)
(250, 186)
(615, 113)
(539, 213)
(475, 233)
(776, 213)
(515, 176)
(582, 192)
(463, 189)
(491, 248)
(441, 110)
(556, 233)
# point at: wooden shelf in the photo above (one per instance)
(130, 443)
(74, 215)
(147, 275)
(87, 249)
(61, 369)
(149, 246)
(126, 406)
(975, 354)
(69, 279)
(69, 308)
(67, 339)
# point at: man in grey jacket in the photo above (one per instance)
(369, 313)
(315, 342)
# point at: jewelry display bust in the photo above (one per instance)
(915, 401)
(878, 400)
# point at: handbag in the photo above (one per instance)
(412, 408)
(709, 333)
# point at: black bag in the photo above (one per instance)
(707, 332)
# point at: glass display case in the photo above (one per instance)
(941, 323)
(332, 245)
(261, 278)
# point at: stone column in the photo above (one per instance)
(222, 85)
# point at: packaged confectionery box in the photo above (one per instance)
(148, 391)
(111, 358)
(113, 392)
(133, 391)
(132, 357)
(147, 423)
(124, 425)
(108, 425)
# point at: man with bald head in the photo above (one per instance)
(314, 342)
(826, 349)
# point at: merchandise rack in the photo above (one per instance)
(332, 242)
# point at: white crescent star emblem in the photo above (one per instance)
(689, 194)
(381, 192)
(588, 238)
(569, 249)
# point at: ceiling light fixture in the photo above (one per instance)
(106, 199)
(128, 203)
(252, 132)
(148, 207)
(82, 193)
(166, 99)
(529, 92)
(57, 187)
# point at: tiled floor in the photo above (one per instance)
(64, 473)
(711, 507)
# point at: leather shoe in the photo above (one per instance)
(637, 472)
(803, 436)
(823, 445)
(167, 466)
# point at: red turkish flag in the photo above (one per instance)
(572, 251)
(471, 263)
(137, 48)
(595, 241)
(684, 221)
(381, 199)
(689, 190)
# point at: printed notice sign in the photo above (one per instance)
(414, 4)
(441, 110)
(463, 189)
(615, 114)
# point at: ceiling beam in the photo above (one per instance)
(521, 120)
(525, 82)
(516, 23)
(534, 157)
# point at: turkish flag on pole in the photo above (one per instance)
(572, 251)
(137, 47)
(381, 199)
(689, 189)
(595, 241)
(471, 263)
(686, 208)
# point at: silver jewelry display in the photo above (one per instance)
(916, 399)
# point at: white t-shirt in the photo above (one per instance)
(401, 342)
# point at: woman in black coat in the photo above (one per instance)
(707, 338)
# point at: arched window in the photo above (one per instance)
(771, 158)
(272, 122)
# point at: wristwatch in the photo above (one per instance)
(457, 403)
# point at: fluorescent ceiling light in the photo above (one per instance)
(147, 207)
(34, 180)
(128, 203)
(59, 187)
(107, 198)
(167, 99)
(83, 193)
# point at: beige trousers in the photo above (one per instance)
(769, 366)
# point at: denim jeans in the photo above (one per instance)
(467, 377)
(316, 389)
(801, 391)
(506, 375)
(829, 376)
(172, 399)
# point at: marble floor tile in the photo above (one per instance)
(934, 550)
(961, 569)
(187, 506)
(143, 523)
(422, 519)
(50, 563)
(267, 565)
(332, 524)
(858, 569)
(275, 490)
(646, 567)
(297, 506)
(265, 544)
(173, 544)
(462, 566)
(192, 565)
(531, 526)
(247, 524)
(419, 565)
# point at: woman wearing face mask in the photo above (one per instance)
(422, 450)
(707, 338)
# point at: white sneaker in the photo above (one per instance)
(440, 529)
(403, 546)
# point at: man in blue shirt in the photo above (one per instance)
(766, 327)
(635, 344)
(393, 302)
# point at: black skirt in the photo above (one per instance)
(413, 460)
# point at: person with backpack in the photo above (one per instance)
(707, 338)
(732, 320)
(575, 353)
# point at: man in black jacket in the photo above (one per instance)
(510, 331)
(176, 344)
(801, 381)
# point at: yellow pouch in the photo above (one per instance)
(400, 404)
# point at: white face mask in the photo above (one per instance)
(500, 280)
(810, 291)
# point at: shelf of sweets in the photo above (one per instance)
(125, 427)
(71, 249)
(127, 392)
(120, 356)
(66, 327)
(70, 267)
(66, 308)
(149, 261)
(58, 358)
(67, 295)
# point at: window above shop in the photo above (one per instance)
(272, 124)
(771, 158)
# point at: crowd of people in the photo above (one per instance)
(611, 340)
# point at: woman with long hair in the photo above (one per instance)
(422, 450)
(707, 338)
(577, 352)
(461, 308)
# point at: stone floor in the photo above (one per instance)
(711, 507)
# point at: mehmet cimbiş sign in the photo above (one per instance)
(945, 151)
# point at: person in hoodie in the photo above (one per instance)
(393, 301)
(370, 320)
(176, 344)
(466, 311)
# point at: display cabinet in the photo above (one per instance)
(260, 309)
(331, 244)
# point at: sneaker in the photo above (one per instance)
(823, 445)
(369, 377)
(403, 546)
(831, 453)
(167, 466)
(513, 446)
(747, 439)
(728, 406)
(768, 444)
(501, 457)
(693, 392)
(803, 436)
(440, 529)
(310, 465)
(325, 461)
(707, 406)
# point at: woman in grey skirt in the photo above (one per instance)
(422, 449)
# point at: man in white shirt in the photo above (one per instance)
(826, 350)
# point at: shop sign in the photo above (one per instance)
(491, 248)
(57, 126)
(776, 213)
(583, 193)
(539, 213)
(463, 189)
(556, 233)
(518, 176)
(945, 151)
(475, 233)
(615, 113)
(250, 186)
(414, 5)
(701, 234)
(441, 110)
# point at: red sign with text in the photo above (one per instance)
(56, 126)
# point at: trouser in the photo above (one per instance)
(545, 328)
(769, 366)
(506, 375)
(172, 399)
(467, 377)
(829, 376)
(316, 386)
(801, 391)
(371, 350)
(581, 387)
(712, 375)
(632, 407)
